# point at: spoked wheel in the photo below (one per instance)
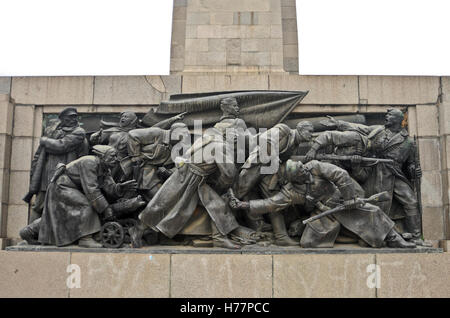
(112, 235)
(127, 224)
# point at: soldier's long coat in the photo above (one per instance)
(74, 200)
(195, 183)
(329, 184)
(401, 149)
(64, 145)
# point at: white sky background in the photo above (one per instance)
(85, 37)
(374, 37)
(132, 37)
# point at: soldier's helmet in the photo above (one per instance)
(295, 170)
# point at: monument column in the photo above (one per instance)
(444, 132)
(6, 127)
(233, 36)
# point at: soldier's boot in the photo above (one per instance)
(89, 242)
(413, 233)
(220, 240)
(395, 240)
(281, 237)
(136, 233)
(30, 232)
(258, 224)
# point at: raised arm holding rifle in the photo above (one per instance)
(391, 141)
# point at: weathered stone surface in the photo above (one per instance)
(433, 223)
(211, 31)
(290, 50)
(221, 276)
(38, 117)
(229, 5)
(427, 116)
(290, 37)
(290, 64)
(18, 186)
(219, 45)
(176, 64)
(211, 58)
(179, 13)
(414, 275)
(445, 81)
(53, 90)
(21, 153)
(288, 12)
(222, 18)
(135, 89)
(5, 151)
(3, 223)
(3, 243)
(430, 154)
(198, 18)
(179, 3)
(122, 275)
(445, 245)
(210, 83)
(444, 117)
(23, 121)
(197, 45)
(256, 58)
(446, 151)
(432, 189)
(399, 89)
(412, 121)
(5, 85)
(30, 274)
(322, 275)
(17, 219)
(4, 185)
(6, 114)
(322, 89)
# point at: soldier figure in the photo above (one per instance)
(195, 183)
(391, 141)
(62, 142)
(284, 139)
(75, 198)
(344, 143)
(149, 149)
(117, 137)
(323, 185)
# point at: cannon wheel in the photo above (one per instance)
(112, 235)
(127, 224)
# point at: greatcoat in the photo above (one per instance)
(201, 179)
(330, 185)
(74, 199)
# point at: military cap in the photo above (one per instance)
(68, 111)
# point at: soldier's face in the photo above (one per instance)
(231, 108)
(126, 119)
(306, 132)
(392, 119)
(110, 158)
(69, 120)
(302, 177)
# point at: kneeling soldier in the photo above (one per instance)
(324, 185)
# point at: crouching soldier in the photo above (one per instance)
(75, 198)
(324, 185)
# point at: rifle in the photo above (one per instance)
(417, 180)
(378, 197)
(342, 158)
